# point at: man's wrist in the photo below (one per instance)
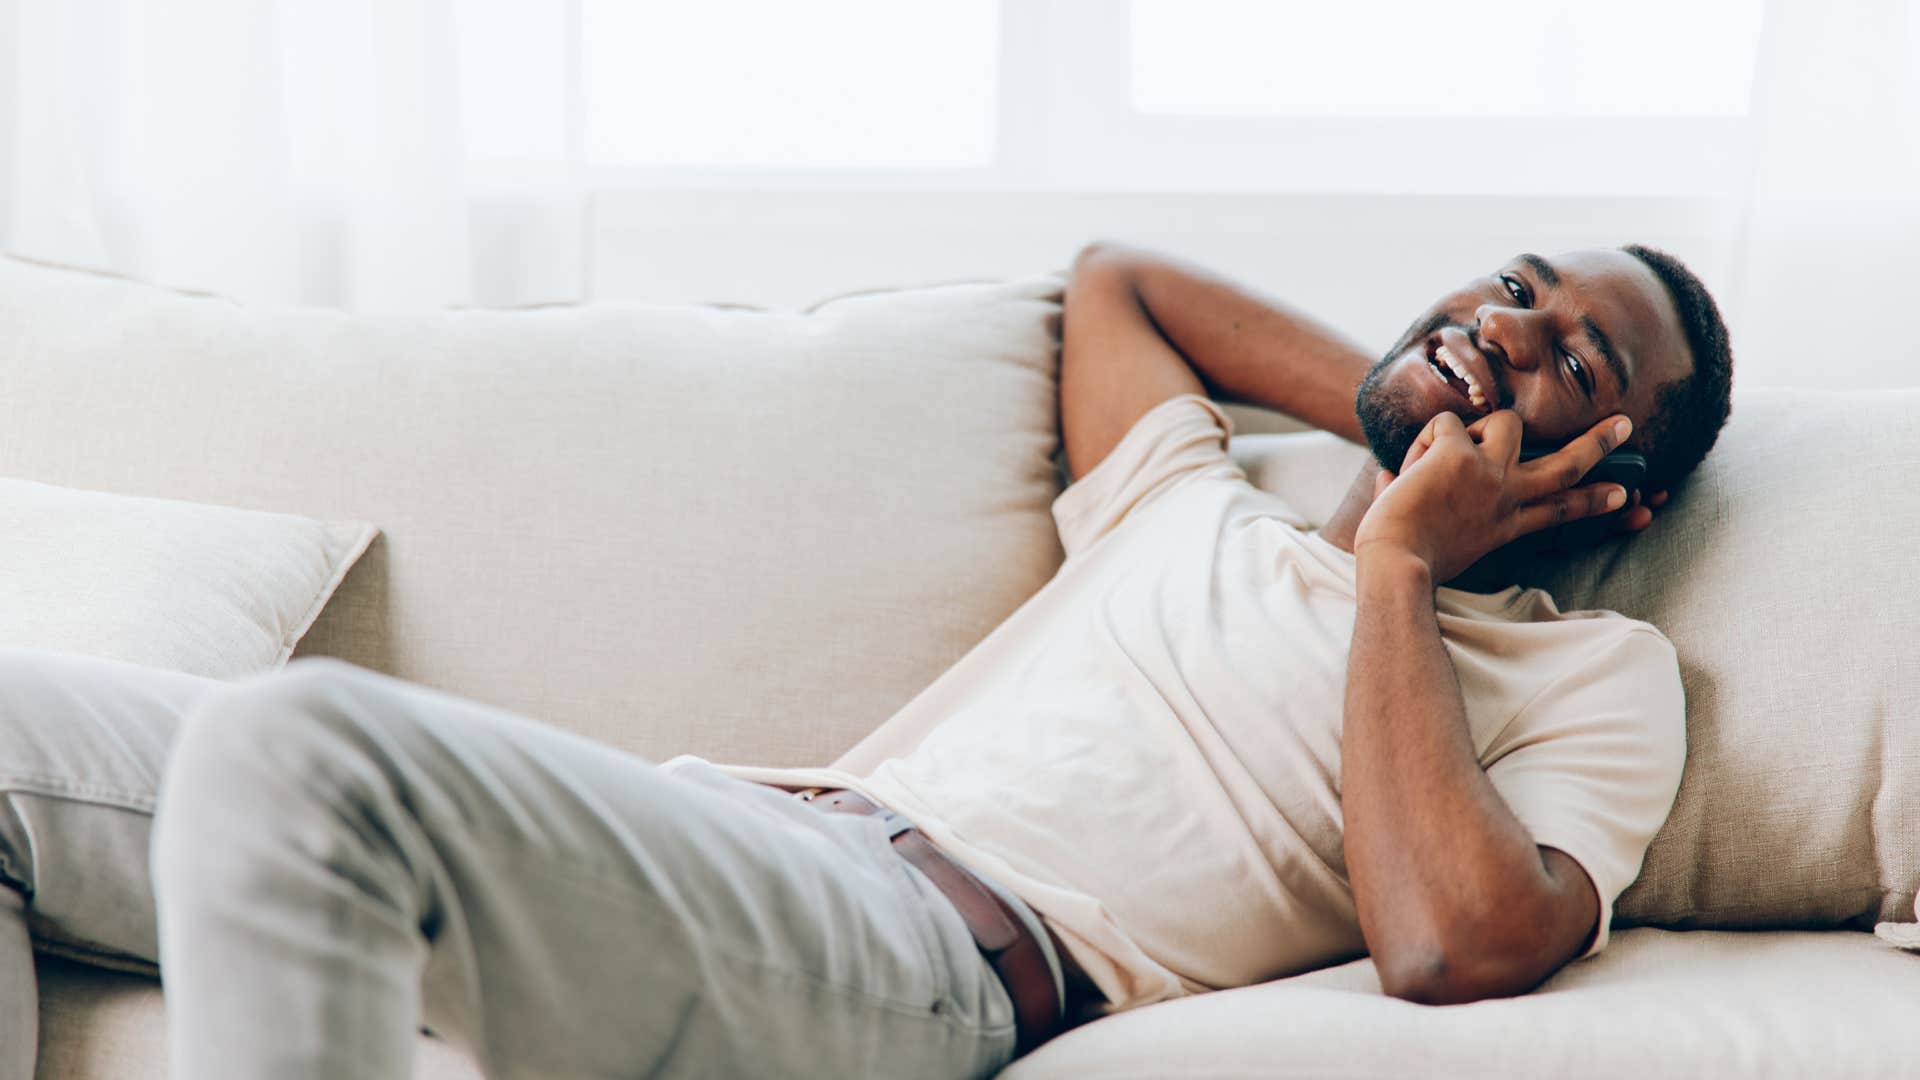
(1388, 566)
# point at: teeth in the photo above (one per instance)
(1475, 393)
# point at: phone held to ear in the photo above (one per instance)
(1624, 467)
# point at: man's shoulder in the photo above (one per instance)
(1538, 606)
(1607, 625)
(1616, 659)
(1534, 642)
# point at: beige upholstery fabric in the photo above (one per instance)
(207, 590)
(748, 535)
(1783, 574)
(1655, 1004)
(107, 1025)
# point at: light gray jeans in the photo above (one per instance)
(341, 858)
(82, 743)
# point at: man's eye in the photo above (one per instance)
(1579, 371)
(1517, 289)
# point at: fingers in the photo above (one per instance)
(1447, 426)
(1500, 434)
(1639, 512)
(1444, 424)
(1634, 518)
(1563, 468)
(1563, 506)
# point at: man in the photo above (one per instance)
(1216, 749)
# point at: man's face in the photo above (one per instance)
(1564, 342)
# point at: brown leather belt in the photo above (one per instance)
(1003, 938)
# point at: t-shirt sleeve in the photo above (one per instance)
(1592, 764)
(1177, 440)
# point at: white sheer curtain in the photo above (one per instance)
(292, 151)
(316, 152)
(1828, 246)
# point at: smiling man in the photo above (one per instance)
(1218, 747)
(1458, 783)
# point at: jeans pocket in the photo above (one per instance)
(924, 903)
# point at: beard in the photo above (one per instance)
(1390, 416)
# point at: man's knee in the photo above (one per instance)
(273, 785)
(273, 719)
(268, 744)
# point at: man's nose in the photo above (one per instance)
(1512, 333)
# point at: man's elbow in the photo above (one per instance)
(1438, 976)
(1105, 256)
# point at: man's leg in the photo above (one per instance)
(340, 857)
(82, 744)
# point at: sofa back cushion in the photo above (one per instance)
(746, 534)
(1783, 571)
(753, 535)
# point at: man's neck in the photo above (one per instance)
(1341, 528)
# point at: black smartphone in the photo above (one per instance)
(1624, 467)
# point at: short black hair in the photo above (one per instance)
(1688, 412)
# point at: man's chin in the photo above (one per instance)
(1389, 451)
(1397, 399)
(1391, 413)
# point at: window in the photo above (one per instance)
(1463, 58)
(1265, 96)
(824, 83)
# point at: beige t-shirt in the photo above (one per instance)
(1148, 751)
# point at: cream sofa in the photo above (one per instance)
(753, 535)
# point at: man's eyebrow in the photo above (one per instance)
(1543, 268)
(1601, 342)
(1548, 274)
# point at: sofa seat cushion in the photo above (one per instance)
(1656, 1003)
(97, 1024)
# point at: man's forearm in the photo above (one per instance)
(1245, 347)
(1445, 878)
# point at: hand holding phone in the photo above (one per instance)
(1624, 467)
(1460, 494)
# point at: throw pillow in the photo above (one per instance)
(207, 590)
